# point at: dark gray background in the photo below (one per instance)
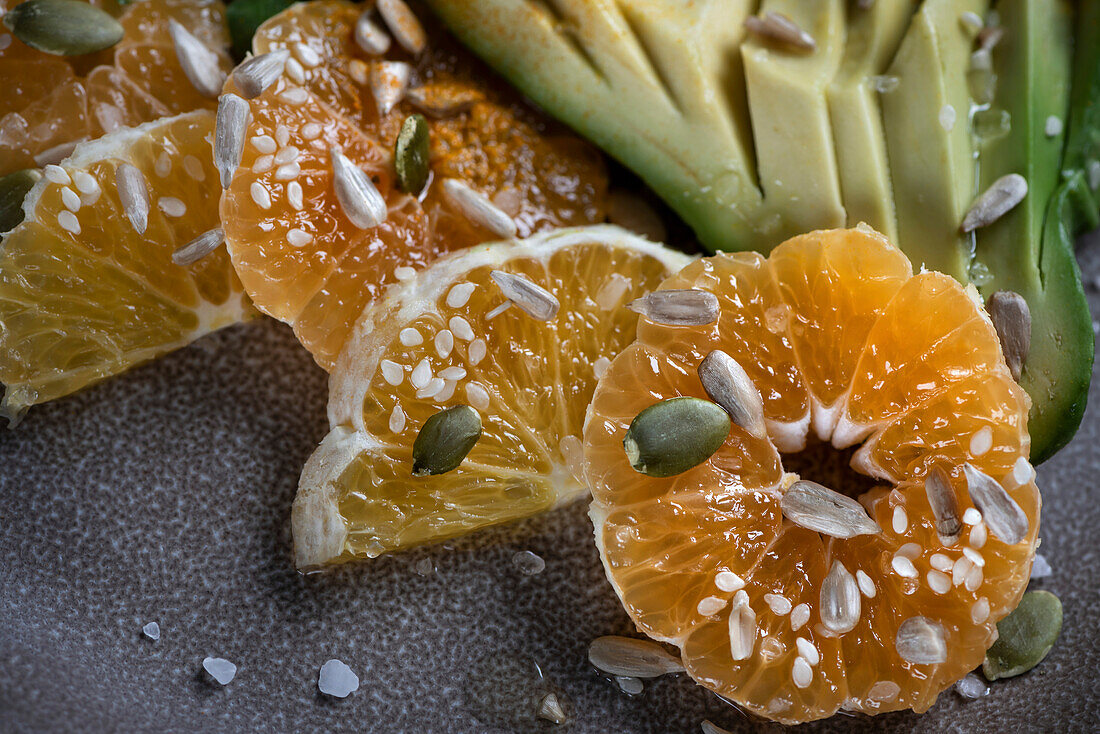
(164, 495)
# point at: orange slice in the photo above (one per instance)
(440, 341)
(83, 295)
(838, 335)
(298, 254)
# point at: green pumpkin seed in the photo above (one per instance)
(1024, 637)
(674, 435)
(63, 27)
(13, 189)
(445, 440)
(411, 154)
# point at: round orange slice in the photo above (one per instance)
(301, 257)
(785, 596)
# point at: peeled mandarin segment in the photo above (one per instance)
(156, 69)
(114, 101)
(26, 81)
(930, 335)
(57, 118)
(147, 21)
(836, 283)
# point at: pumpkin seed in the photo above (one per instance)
(1001, 513)
(920, 641)
(632, 657)
(727, 384)
(675, 435)
(688, 307)
(818, 508)
(13, 189)
(411, 154)
(444, 440)
(944, 504)
(840, 600)
(1011, 318)
(533, 299)
(1025, 636)
(996, 201)
(63, 27)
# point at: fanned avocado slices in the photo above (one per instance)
(752, 140)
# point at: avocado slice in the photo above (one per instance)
(1030, 249)
(873, 39)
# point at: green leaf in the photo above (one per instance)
(245, 16)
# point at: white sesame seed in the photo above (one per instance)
(778, 603)
(171, 206)
(728, 581)
(282, 135)
(939, 582)
(960, 570)
(298, 238)
(974, 578)
(710, 605)
(900, 520)
(1053, 126)
(940, 562)
(981, 442)
(397, 419)
(310, 131)
(421, 374)
(477, 396)
(979, 611)
(264, 143)
(909, 550)
(448, 390)
(69, 222)
(453, 372)
(263, 164)
(294, 195)
(971, 516)
(461, 328)
(904, 567)
(807, 650)
(884, 690)
(392, 372)
(288, 172)
(57, 174)
(800, 615)
(974, 556)
(801, 672)
(306, 55)
(435, 386)
(410, 337)
(972, 22)
(947, 117)
(289, 154)
(600, 367)
(85, 183)
(359, 71)
(294, 96)
(444, 343)
(163, 165)
(260, 195)
(866, 585)
(460, 294)
(404, 272)
(295, 71)
(1022, 472)
(70, 199)
(978, 535)
(477, 351)
(193, 168)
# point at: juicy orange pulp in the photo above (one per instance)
(839, 335)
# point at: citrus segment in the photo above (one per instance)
(320, 283)
(83, 295)
(441, 340)
(888, 619)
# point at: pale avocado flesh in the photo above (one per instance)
(751, 141)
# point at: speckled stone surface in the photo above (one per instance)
(164, 496)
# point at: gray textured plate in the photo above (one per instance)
(164, 495)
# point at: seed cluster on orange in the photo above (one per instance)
(841, 338)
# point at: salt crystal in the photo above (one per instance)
(220, 669)
(1040, 568)
(337, 679)
(529, 564)
(152, 631)
(972, 687)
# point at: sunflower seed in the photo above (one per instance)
(63, 27)
(444, 100)
(535, 300)
(944, 504)
(1001, 513)
(229, 134)
(921, 641)
(840, 600)
(708, 727)
(404, 25)
(256, 74)
(57, 153)
(550, 708)
(689, 307)
(1025, 636)
(389, 81)
(478, 209)
(133, 193)
(444, 440)
(779, 27)
(675, 435)
(13, 189)
(632, 657)
(358, 196)
(1011, 318)
(818, 508)
(742, 626)
(727, 384)
(411, 154)
(1001, 196)
(199, 63)
(372, 39)
(199, 247)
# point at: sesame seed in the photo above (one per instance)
(940, 562)
(461, 328)
(410, 337)
(397, 419)
(477, 396)
(311, 131)
(972, 516)
(453, 372)
(69, 222)
(294, 95)
(260, 195)
(295, 71)
(981, 442)
(56, 174)
(369, 36)
(978, 535)
(979, 611)
(974, 556)
(263, 164)
(288, 172)
(460, 294)
(728, 581)
(264, 143)
(306, 55)
(359, 71)
(298, 238)
(900, 521)
(974, 578)
(960, 570)
(909, 550)
(904, 567)
(432, 389)
(289, 154)
(866, 585)
(1053, 126)
(1022, 471)
(710, 605)
(392, 372)
(70, 199)
(800, 615)
(801, 672)
(404, 272)
(421, 374)
(778, 603)
(171, 206)
(448, 390)
(477, 351)
(807, 650)
(294, 195)
(600, 367)
(947, 117)
(884, 690)
(939, 582)
(282, 135)
(444, 343)
(493, 313)
(193, 167)
(163, 166)
(85, 183)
